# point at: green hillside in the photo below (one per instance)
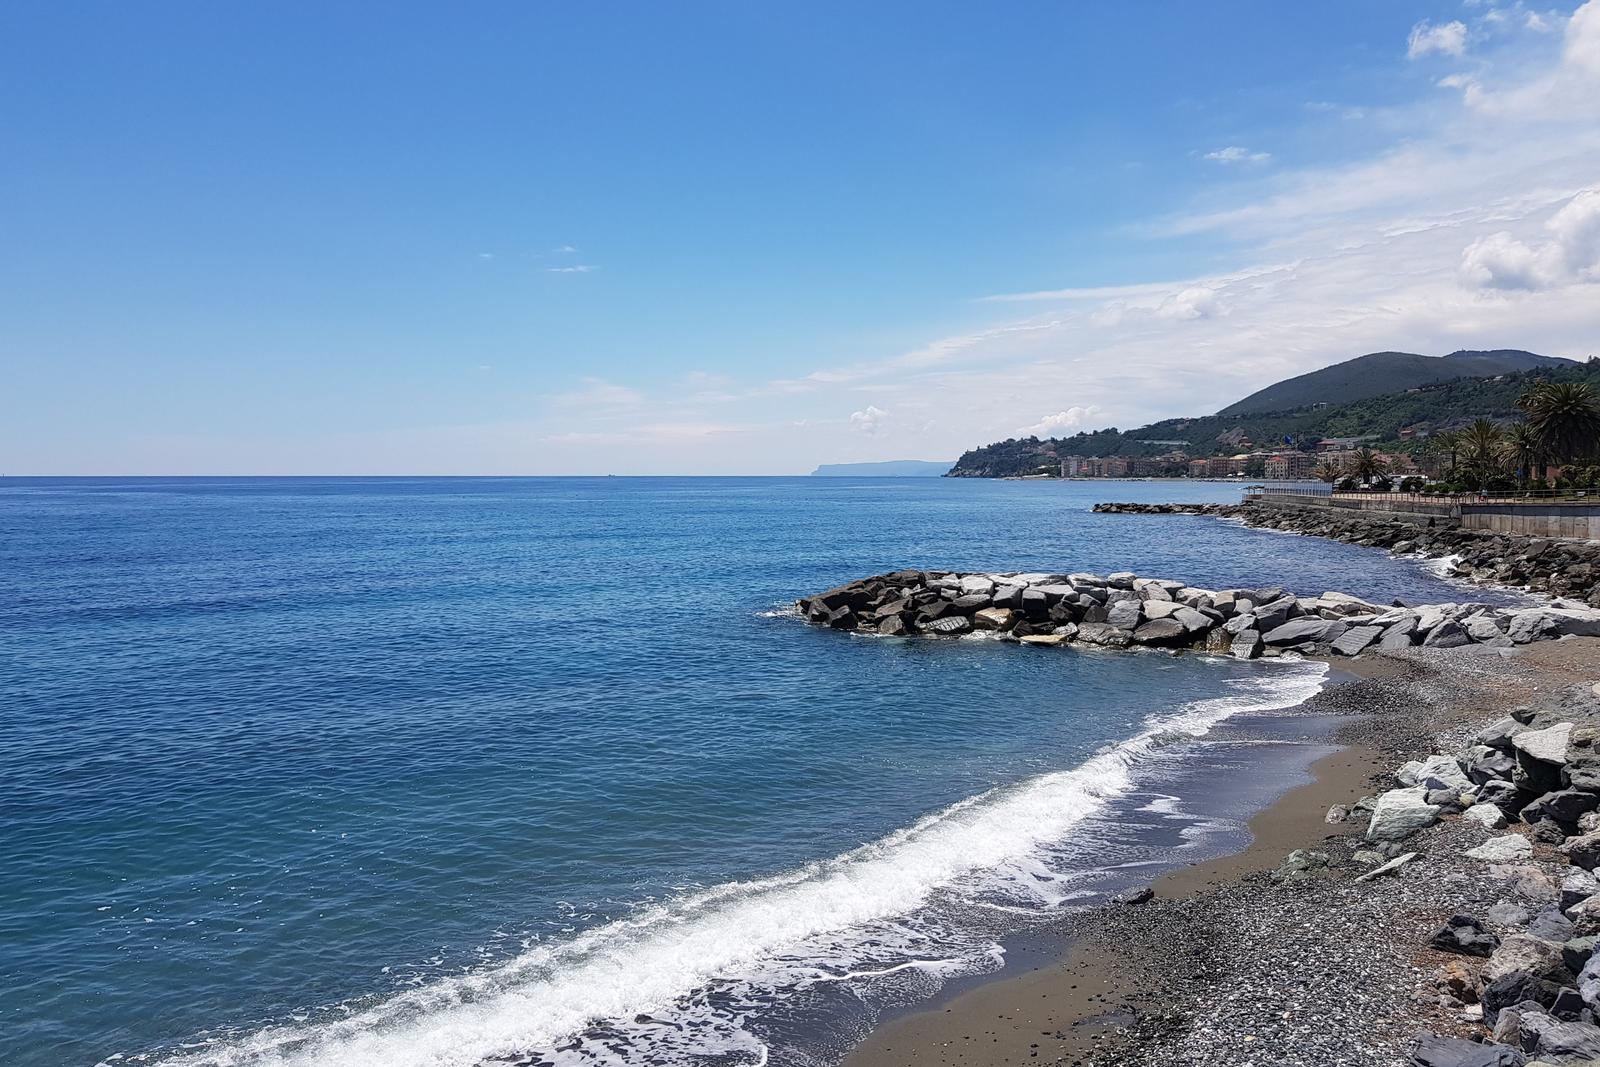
(1379, 373)
(1424, 409)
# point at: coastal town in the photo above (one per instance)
(1287, 464)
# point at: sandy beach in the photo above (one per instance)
(1226, 965)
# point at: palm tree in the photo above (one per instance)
(1522, 449)
(1566, 418)
(1367, 466)
(1446, 442)
(1328, 471)
(1479, 445)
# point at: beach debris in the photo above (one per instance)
(1389, 868)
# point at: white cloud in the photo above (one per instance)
(1237, 154)
(1070, 419)
(576, 268)
(595, 393)
(871, 421)
(1569, 255)
(1447, 38)
(1196, 302)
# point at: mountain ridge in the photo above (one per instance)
(1378, 373)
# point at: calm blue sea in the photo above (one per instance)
(433, 771)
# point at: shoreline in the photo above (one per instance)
(1137, 983)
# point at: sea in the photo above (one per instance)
(459, 771)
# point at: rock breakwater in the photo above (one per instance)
(1562, 568)
(1123, 609)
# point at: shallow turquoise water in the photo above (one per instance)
(424, 771)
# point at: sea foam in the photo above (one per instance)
(687, 980)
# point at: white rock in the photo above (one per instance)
(1549, 744)
(1485, 815)
(1400, 813)
(1508, 848)
(1443, 768)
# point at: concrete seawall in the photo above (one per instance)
(1528, 519)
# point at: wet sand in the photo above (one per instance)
(1124, 968)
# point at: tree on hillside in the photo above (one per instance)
(1566, 418)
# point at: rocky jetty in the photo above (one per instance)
(1560, 567)
(1124, 609)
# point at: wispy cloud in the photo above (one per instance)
(576, 268)
(1237, 154)
(1447, 38)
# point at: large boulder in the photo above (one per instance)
(1160, 632)
(1555, 1041)
(1270, 616)
(1192, 620)
(1442, 769)
(1355, 640)
(1548, 745)
(977, 583)
(1103, 634)
(1431, 1050)
(1499, 734)
(949, 626)
(1448, 634)
(1583, 851)
(1246, 645)
(1302, 631)
(1564, 806)
(1516, 988)
(1125, 614)
(1399, 813)
(994, 619)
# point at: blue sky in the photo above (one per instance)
(702, 238)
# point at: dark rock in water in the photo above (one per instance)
(1247, 645)
(842, 619)
(937, 610)
(970, 602)
(951, 625)
(1034, 605)
(1466, 935)
(1099, 633)
(1138, 896)
(1431, 1050)
(893, 626)
(1160, 632)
